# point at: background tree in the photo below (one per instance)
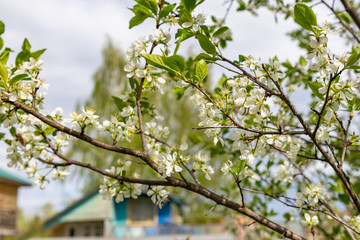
(109, 82)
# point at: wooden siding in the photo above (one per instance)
(8, 208)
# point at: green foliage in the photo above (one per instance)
(305, 17)
(175, 62)
(220, 31)
(314, 86)
(18, 78)
(157, 61)
(206, 44)
(2, 27)
(166, 10)
(201, 70)
(3, 72)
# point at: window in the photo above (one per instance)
(87, 230)
(141, 212)
(72, 232)
(98, 230)
(82, 229)
(7, 218)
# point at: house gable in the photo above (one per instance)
(90, 208)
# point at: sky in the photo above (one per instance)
(74, 33)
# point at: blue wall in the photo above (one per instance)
(165, 214)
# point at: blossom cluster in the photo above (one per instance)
(311, 195)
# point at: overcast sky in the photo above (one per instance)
(74, 33)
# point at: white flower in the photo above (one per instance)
(196, 21)
(226, 167)
(159, 36)
(60, 175)
(158, 195)
(170, 162)
(40, 180)
(284, 173)
(310, 221)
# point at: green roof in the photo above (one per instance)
(12, 178)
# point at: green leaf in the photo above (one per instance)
(305, 17)
(157, 61)
(49, 130)
(185, 16)
(3, 72)
(241, 166)
(242, 6)
(18, 78)
(203, 56)
(26, 45)
(175, 62)
(182, 35)
(13, 131)
(22, 56)
(302, 61)
(149, 4)
(220, 31)
(166, 10)
(314, 86)
(4, 56)
(354, 57)
(201, 70)
(242, 58)
(206, 44)
(345, 17)
(36, 55)
(355, 67)
(153, 6)
(344, 198)
(139, 9)
(179, 92)
(1, 43)
(2, 27)
(120, 104)
(137, 19)
(189, 4)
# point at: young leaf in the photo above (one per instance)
(137, 19)
(26, 45)
(305, 17)
(36, 55)
(13, 131)
(206, 44)
(4, 56)
(23, 56)
(17, 78)
(240, 166)
(220, 31)
(157, 61)
(354, 57)
(120, 104)
(179, 92)
(2, 27)
(314, 86)
(201, 70)
(242, 58)
(166, 10)
(175, 62)
(3, 72)
(189, 4)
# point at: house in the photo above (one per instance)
(92, 216)
(9, 185)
